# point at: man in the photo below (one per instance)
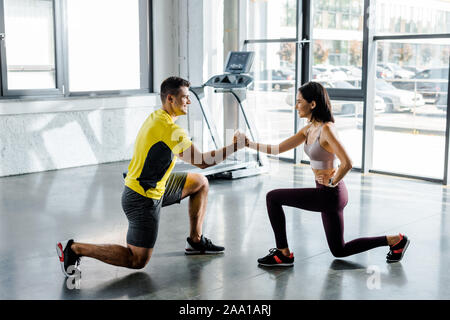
(150, 185)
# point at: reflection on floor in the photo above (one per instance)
(38, 209)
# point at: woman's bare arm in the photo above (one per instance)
(284, 146)
(333, 143)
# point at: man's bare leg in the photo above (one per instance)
(129, 257)
(196, 187)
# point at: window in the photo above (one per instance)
(272, 19)
(103, 49)
(271, 95)
(29, 28)
(424, 17)
(412, 79)
(74, 47)
(336, 63)
(272, 32)
(337, 42)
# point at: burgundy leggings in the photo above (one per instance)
(330, 202)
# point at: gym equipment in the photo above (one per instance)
(245, 162)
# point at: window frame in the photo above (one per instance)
(62, 85)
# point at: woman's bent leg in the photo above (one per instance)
(333, 223)
(307, 198)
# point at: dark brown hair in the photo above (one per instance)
(314, 91)
(172, 86)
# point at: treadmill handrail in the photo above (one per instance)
(213, 135)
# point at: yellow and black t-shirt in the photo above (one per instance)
(157, 142)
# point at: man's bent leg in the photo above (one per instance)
(196, 187)
(129, 257)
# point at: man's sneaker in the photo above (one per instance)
(397, 250)
(205, 246)
(276, 258)
(67, 257)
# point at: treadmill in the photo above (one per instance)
(245, 162)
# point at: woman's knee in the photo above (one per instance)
(338, 252)
(272, 196)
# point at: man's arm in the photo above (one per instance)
(207, 159)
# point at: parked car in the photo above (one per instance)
(326, 71)
(413, 69)
(429, 82)
(399, 72)
(341, 107)
(397, 99)
(441, 103)
(321, 74)
(277, 80)
(383, 73)
(337, 84)
(345, 107)
(352, 71)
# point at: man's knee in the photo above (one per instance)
(139, 262)
(200, 182)
(139, 257)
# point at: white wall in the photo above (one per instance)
(84, 132)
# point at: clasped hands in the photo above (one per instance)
(240, 139)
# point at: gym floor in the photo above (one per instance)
(36, 210)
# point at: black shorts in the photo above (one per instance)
(143, 213)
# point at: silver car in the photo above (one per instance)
(397, 99)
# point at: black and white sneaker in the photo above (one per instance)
(67, 257)
(205, 246)
(276, 258)
(397, 251)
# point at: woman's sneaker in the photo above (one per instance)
(67, 257)
(397, 250)
(276, 258)
(205, 246)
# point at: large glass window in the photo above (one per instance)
(103, 49)
(337, 42)
(272, 19)
(271, 95)
(409, 87)
(336, 63)
(348, 116)
(412, 78)
(270, 98)
(412, 16)
(29, 43)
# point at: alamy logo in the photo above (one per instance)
(374, 280)
(74, 280)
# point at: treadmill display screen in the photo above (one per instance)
(239, 61)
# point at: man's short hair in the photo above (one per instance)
(172, 86)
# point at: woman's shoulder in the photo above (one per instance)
(306, 128)
(329, 127)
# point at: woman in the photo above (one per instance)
(330, 194)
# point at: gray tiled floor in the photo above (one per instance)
(38, 209)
